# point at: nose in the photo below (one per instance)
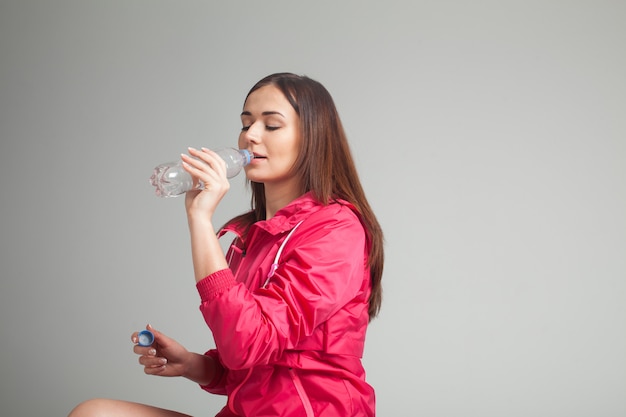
(252, 134)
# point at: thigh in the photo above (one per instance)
(101, 407)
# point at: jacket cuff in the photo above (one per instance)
(213, 284)
(218, 382)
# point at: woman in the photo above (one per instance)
(289, 304)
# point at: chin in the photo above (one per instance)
(254, 178)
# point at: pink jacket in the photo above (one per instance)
(291, 345)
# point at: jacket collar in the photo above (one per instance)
(286, 218)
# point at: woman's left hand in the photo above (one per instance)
(206, 166)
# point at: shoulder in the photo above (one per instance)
(339, 210)
(331, 234)
(336, 217)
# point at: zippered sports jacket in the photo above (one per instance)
(289, 315)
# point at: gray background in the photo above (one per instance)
(491, 140)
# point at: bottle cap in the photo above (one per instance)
(145, 338)
(247, 155)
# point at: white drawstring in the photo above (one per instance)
(274, 265)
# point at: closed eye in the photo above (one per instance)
(270, 128)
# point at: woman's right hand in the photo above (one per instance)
(165, 357)
(207, 167)
(206, 252)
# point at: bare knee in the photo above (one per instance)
(96, 407)
(99, 407)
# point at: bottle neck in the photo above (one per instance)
(247, 156)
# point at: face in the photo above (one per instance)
(270, 130)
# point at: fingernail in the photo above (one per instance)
(152, 352)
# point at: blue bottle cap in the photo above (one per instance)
(145, 338)
(247, 156)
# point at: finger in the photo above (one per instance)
(135, 336)
(204, 157)
(144, 350)
(152, 361)
(194, 163)
(157, 370)
(217, 162)
(205, 154)
(199, 170)
(159, 338)
(209, 158)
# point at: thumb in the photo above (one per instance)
(159, 338)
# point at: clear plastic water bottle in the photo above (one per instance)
(171, 179)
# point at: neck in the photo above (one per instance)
(278, 196)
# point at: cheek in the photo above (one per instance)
(289, 152)
(295, 146)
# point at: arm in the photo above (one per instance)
(167, 357)
(206, 252)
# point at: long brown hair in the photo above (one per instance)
(324, 164)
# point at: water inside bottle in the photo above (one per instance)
(170, 180)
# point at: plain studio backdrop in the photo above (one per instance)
(490, 137)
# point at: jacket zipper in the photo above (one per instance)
(301, 393)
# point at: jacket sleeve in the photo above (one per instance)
(218, 385)
(321, 269)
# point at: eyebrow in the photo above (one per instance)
(265, 113)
